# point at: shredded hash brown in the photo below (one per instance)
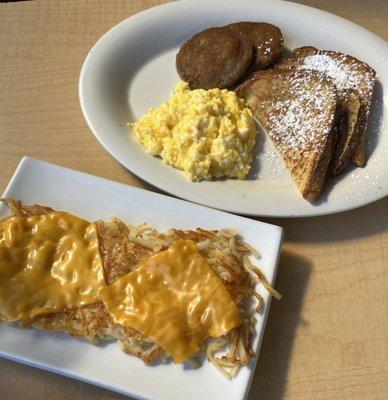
(122, 248)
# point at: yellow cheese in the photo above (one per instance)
(175, 298)
(48, 263)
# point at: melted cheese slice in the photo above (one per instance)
(175, 298)
(48, 263)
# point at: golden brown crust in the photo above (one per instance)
(313, 191)
(348, 133)
(26, 211)
(119, 254)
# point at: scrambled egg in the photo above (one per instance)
(206, 133)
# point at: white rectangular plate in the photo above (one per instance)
(95, 198)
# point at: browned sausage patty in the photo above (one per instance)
(215, 57)
(267, 41)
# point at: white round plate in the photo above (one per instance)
(132, 68)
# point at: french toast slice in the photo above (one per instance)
(354, 81)
(297, 109)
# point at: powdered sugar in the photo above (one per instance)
(346, 72)
(276, 170)
(300, 117)
(266, 47)
(326, 64)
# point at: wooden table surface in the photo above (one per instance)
(328, 337)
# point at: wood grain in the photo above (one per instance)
(327, 339)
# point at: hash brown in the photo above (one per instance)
(122, 247)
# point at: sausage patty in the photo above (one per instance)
(215, 57)
(267, 41)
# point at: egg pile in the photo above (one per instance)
(208, 134)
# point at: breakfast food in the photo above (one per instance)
(354, 82)
(314, 107)
(220, 57)
(209, 134)
(214, 58)
(267, 40)
(110, 281)
(297, 108)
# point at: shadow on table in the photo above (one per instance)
(269, 382)
(349, 225)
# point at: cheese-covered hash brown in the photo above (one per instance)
(122, 248)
